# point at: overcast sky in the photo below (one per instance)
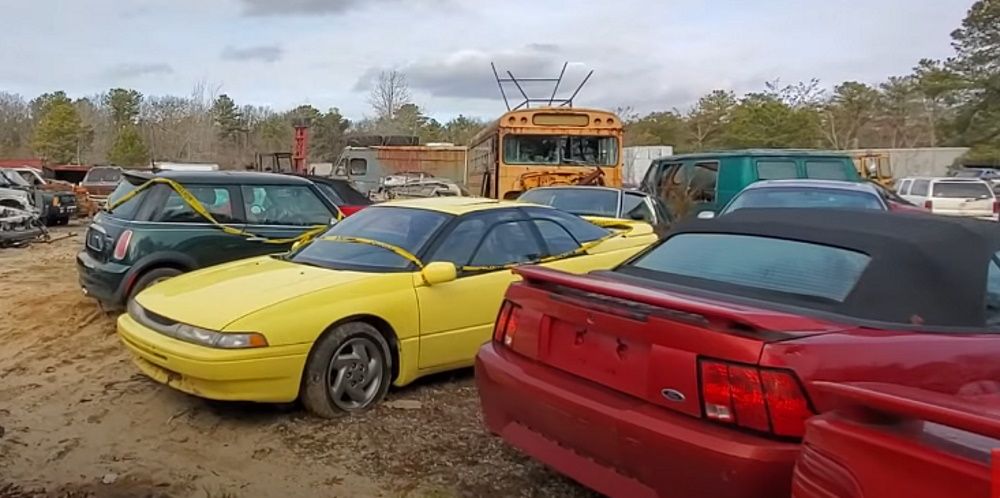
(649, 54)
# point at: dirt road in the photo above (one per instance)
(77, 420)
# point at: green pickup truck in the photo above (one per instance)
(691, 183)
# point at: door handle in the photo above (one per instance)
(256, 239)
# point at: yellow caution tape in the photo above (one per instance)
(403, 253)
(197, 207)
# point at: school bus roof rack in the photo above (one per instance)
(528, 100)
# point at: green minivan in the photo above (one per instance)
(155, 235)
(706, 181)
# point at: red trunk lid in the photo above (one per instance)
(637, 340)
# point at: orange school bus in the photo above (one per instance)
(530, 148)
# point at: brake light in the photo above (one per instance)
(928, 204)
(506, 325)
(762, 399)
(996, 207)
(121, 247)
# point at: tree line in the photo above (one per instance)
(952, 102)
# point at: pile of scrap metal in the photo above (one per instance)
(408, 185)
(20, 223)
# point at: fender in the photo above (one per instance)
(172, 259)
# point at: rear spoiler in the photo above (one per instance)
(749, 318)
(952, 411)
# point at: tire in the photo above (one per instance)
(149, 278)
(348, 371)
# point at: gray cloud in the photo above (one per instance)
(265, 53)
(123, 71)
(300, 7)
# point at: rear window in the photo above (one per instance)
(579, 201)
(791, 197)
(761, 263)
(962, 190)
(826, 170)
(102, 175)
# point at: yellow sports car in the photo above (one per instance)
(392, 293)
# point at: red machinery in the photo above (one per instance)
(300, 151)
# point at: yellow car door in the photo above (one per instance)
(456, 317)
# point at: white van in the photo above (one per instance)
(967, 197)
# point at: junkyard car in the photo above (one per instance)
(100, 182)
(156, 235)
(805, 194)
(341, 193)
(56, 200)
(392, 293)
(688, 370)
(601, 201)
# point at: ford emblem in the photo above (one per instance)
(673, 395)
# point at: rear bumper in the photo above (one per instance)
(266, 375)
(103, 281)
(621, 446)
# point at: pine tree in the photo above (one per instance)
(129, 148)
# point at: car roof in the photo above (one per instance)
(924, 269)
(454, 205)
(223, 177)
(755, 153)
(808, 183)
(936, 179)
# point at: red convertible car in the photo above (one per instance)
(688, 370)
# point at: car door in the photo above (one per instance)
(175, 227)
(456, 317)
(281, 212)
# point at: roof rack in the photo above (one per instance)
(550, 101)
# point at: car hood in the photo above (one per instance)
(215, 297)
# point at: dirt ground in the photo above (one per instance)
(77, 420)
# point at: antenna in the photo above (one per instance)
(528, 100)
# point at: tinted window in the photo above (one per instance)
(349, 195)
(557, 239)
(826, 170)
(904, 187)
(579, 201)
(294, 205)
(962, 190)
(358, 166)
(920, 187)
(408, 229)
(127, 209)
(102, 175)
(703, 179)
(635, 207)
(466, 236)
(581, 229)
(508, 243)
(331, 193)
(760, 263)
(789, 197)
(993, 292)
(216, 200)
(776, 170)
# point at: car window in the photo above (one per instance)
(962, 190)
(215, 198)
(581, 229)
(127, 210)
(763, 263)
(993, 291)
(776, 170)
(330, 192)
(507, 243)
(358, 166)
(102, 175)
(408, 229)
(793, 197)
(920, 187)
(581, 201)
(704, 177)
(635, 207)
(557, 239)
(293, 205)
(463, 240)
(904, 187)
(826, 170)
(348, 195)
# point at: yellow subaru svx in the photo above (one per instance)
(392, 293)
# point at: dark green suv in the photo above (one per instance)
(155, 235)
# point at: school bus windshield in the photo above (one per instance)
(568, 150)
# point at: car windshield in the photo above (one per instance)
(556, 149)
(103, 175)
(580, 201)
(13, 178)
(405, 228)
(962, 190)
(789, 197)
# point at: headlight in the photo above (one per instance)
(198, 335)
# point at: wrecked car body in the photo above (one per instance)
(20, 216)
(409, 185)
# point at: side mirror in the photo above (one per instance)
(439, 272)
(706, 215)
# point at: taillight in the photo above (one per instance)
(928, 204)
(121, 247)
(349, 210)
(762, 399)
(996, 207)
(506, 325)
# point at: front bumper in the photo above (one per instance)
(271, 374)
(621, 446)
(104, 281)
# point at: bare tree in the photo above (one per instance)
(389, 94)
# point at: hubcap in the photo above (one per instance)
(355, 374)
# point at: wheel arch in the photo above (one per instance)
(384, 329)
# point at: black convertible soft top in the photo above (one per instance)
(924, 270)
